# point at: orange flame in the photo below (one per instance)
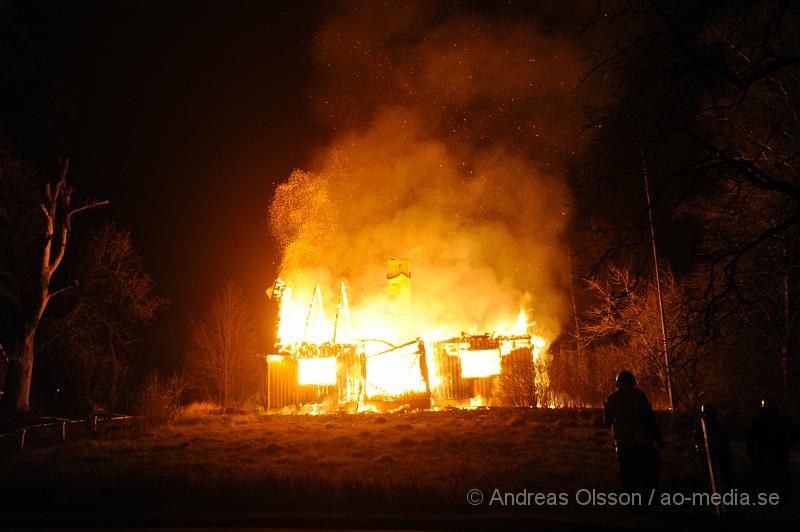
(391, 371)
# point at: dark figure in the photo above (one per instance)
(770, 441)
(636, 435)
(719, 445)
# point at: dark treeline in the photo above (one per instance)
(705, 97)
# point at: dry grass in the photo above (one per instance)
(418, 462)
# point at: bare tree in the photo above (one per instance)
(223, 360)
(622, 330)
(104, 315)
(518, 379)
(29, 303)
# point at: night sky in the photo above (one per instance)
(184, 116)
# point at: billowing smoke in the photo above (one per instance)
(452, 131)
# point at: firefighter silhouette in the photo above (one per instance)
(770, 441)
(636, 435)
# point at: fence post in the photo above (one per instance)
(23, 433)
(63, 431)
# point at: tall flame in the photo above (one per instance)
(391, 370)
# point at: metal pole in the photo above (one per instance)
(711, 473)
(658, 284)
(574, 306)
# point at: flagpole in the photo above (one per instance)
(658, 284)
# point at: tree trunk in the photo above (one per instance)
(18, 380)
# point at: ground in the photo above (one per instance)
(406, 470)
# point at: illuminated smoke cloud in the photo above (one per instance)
(451, 134)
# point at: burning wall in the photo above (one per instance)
(348, 372)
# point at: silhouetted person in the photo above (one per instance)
(636, 435)
(719, 445)
(770, 441)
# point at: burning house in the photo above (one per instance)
(322, 365)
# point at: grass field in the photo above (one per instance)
(207, 468)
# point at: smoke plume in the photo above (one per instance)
(452, 130)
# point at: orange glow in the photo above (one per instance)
(394, 373)
(319, 371)
(392, 357)
(480, 363)
(302, 319)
